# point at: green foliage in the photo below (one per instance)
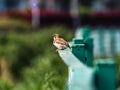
(34, 63)
(5, 85)
(47, 74)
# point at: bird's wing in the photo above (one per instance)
(62, 41)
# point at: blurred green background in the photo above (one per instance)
(28, 60)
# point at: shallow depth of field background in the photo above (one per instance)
(28, 59)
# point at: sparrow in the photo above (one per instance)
(59, 42)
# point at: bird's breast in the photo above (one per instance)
(60, 46)
(57, 45)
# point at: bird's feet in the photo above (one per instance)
(57, 50)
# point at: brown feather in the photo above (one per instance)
(62, 41)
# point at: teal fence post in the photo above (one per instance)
(106, 75)
(89, 51)
(78, 49)
(82, 48)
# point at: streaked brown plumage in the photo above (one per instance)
(60, 43)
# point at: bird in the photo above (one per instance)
(60, 43)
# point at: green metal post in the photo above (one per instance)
(106, 75)
(89, 51)
(83, 48)
(88, 46)
(78, 49)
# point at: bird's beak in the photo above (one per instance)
(53, 35)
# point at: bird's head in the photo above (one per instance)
(56, 36)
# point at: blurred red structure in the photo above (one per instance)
(107, 13)
(44, 15)
(110, 17)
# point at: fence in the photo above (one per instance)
(82, 74)
(106, 40)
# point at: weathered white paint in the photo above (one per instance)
(80, 76)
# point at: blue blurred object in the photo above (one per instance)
(2, 5)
